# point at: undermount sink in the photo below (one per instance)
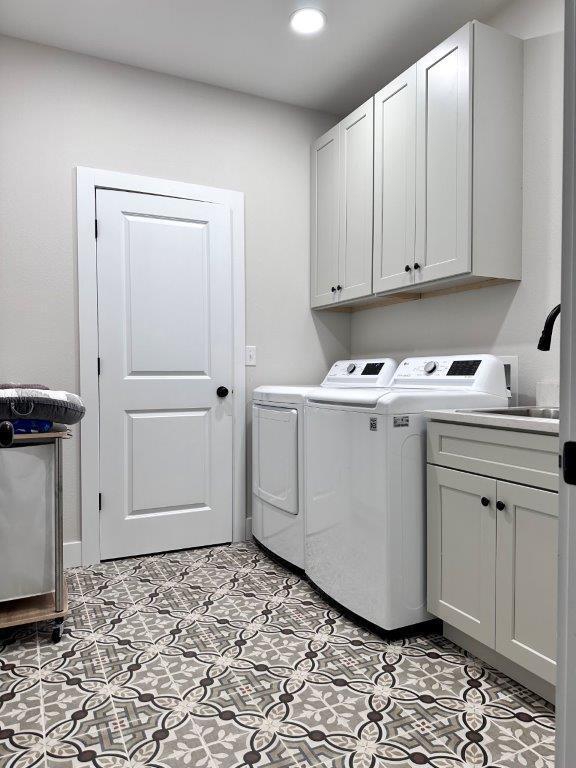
(531, 412)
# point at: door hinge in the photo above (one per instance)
(568, 462)
(98, 364)
(96, 228)
(100, 502)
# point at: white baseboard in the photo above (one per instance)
(72, 554)
(248, 528)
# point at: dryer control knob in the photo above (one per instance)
(351, 368)
(430, 367)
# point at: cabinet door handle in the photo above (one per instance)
(333, 289)
(500, 506)
(416, 265)
(338, 287)
(485, 501)
(407, 268)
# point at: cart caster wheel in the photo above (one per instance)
(57, 632)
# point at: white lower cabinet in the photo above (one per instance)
(462, 551)
(526, 577)
(492, 563)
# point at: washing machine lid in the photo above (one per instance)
(447, 381)
(292, 395)
(349, 398)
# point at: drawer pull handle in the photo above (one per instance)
(485, 501)
(500, 506)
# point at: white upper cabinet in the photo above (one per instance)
(443, 159)
(325, 196)
(394, 183)
(356, 187)
(341, 227)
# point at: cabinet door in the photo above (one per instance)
(462, 551)
(444, 159)
(325, 199)
(394, 183)
(526, 577)
(356, 201)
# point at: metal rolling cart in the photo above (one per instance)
(50, 606)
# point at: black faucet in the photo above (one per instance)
(546, 337)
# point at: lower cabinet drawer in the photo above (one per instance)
(518, 457)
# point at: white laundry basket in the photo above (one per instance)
(27, 507)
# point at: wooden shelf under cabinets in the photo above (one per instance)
(428, 292)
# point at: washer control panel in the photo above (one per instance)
(437, 367)
(478, 372)
(361, 373)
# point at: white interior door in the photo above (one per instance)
(444, 159)
(165, 344)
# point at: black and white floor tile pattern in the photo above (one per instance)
(220, 658)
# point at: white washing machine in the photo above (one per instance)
(365, 457)
(278, 474)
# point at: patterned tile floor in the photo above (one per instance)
(221, 658)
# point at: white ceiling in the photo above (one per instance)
(247, 45)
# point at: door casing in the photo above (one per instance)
(566, 681)
(88, 180)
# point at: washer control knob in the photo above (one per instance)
(351, 368)
(430, 367)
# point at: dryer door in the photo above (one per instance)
(275, 456)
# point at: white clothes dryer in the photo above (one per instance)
(278, 470)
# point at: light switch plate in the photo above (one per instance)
(250, 355)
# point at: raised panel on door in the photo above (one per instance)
(526, 577)
(394, 183)
(462, 551)
(444, 159)
(325, 202)
(356, 202)
(165, 341)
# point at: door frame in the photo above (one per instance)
(88, 181)
(566, 685)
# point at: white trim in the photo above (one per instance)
(248, 528)
(72, 554)
(566, 683)
(88, 180)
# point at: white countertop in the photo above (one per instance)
(500, 421)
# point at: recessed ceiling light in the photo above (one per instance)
(307, 21)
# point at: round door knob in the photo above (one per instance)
(338, 287)
(351, 368)
(407, 268)
(416, 265)
(430, 367)
(333, 289)
(500, 506)
(6, 434)
(485, 501)
(222, 391)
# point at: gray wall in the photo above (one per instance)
(59, 110)
(505, 319)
